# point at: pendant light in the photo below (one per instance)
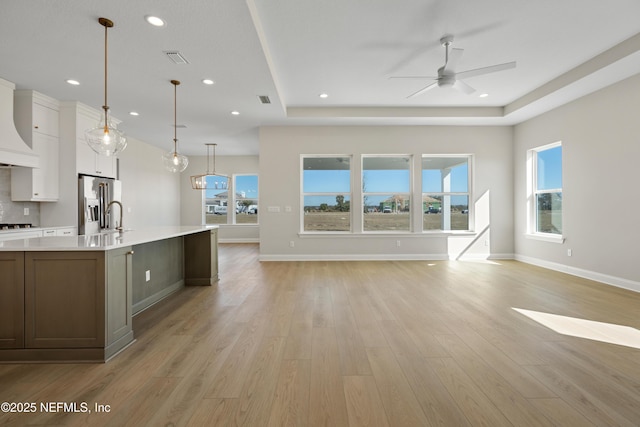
(199, 182)
(105, 138)
(174, 161)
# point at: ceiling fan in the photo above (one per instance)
(448, 77)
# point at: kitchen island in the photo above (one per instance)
(72, 298)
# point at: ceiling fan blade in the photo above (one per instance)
(413, 77)
(423, 90)
(463, 87)
(485, 70)
(454, 56)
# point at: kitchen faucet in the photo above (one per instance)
(106, 211)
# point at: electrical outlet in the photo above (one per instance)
(397, 243)
(26, 211)
(569, 253)
(292, 244)
(147, 275)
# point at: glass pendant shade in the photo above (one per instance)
(172, 160)
(105, 138)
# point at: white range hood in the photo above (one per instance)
(13, 150)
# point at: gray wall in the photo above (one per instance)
(280, 151)
(600, 134)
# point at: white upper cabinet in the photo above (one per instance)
(36, 117)
(88, 161)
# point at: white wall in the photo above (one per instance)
(600, 135)
(191, 206)
(280, 150)
(148, 190)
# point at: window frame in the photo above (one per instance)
(234, 199)
(204, 202)
(409, 193)
(533, 193)
(304, 194)
(469, 193)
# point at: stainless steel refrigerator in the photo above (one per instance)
(94, 195)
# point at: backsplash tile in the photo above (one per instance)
(13, 212)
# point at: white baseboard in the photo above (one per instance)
(355, 257)
(380, 257)
(246, 240)
(586, 274)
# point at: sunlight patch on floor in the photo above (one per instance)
(583, 328)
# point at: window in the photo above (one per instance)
(245, 189)
(386, 193)
(326, 193)
(216, 199)
(547, 189)
(445, 192)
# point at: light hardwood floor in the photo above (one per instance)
(381, 343)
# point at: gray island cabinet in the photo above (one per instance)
(72, 298)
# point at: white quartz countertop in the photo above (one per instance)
(102, 241)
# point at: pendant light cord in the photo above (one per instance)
(175, 115)
(106, 104)
(106, 23)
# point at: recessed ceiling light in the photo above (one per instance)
(73, 82)
(133, 113)
(208, 81)
(235, 113)
(483, 95)
(155, 21)
(323, 95)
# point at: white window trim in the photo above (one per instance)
(469, 193)
(415, 193)
(410, 192)
(532, 179)
(302, 231)
(234, 200)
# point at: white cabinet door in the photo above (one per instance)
(45, 120)
(38, 184)
(90, 163)
(71, 231)
(37, 121)
(67, 231)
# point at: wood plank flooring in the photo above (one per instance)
(381, 343)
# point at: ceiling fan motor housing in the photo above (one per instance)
(446, 79)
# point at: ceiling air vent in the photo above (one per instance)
(176, 57)
(264, 99)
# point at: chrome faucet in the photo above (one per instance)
(106, 211)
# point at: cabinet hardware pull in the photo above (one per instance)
(130, 253)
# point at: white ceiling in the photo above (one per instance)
(293, 50)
